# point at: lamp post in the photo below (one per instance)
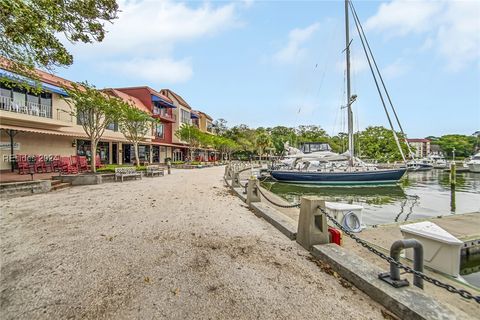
(453, 154)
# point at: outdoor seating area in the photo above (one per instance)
(34, 164)
(124, 172)
(152, 170)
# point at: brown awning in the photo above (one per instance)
(42, 131)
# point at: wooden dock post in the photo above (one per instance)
(453, 174)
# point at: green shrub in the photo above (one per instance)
(110, 168)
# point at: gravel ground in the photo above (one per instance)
(173, 247)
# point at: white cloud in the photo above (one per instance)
(396, 69)
(401, 17)
(451, 28)
(155, 70)
(293, 51)
(150, 30)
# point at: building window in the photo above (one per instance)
(112, 126)
(159, 131)
(81, 118)
(185, 116)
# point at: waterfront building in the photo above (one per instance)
(162, 108)
(421, 146)
(44, 123)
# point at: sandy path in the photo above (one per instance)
(174, 247)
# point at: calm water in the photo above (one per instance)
(420, 195)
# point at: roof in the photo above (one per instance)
(42, 75)
(418, 140)
(205, 115)
(128, 98)
(177, 97)
(152, 91)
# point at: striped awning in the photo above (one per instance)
(42, 131)
(45, 86)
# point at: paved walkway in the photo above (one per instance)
(173, 247)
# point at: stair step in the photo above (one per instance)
(56, 182)
(59, 186)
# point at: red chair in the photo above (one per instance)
(55, 163)
(39, 164)
(66, 166)
(82, 163)
(74, 161)
(22, 164)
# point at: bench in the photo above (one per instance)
(127, 172)
(153, 170)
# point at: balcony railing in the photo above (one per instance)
(31, 108)
(163, 113)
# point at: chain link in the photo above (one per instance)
(297, 205)
(465, 294)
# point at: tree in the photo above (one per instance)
(378, 143)
(311, 133)
(262, 142)
(94, 111)
(464, 145)
(279, 135)
(220, 126)
(29, 30)
(190, 134)
(134, 124)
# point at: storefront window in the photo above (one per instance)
(84, 149)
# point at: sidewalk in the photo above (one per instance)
(173, 247)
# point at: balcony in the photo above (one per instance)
(162, 114)
(30, 108)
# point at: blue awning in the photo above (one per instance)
(45, 86)
(194, 116)
(162, 102)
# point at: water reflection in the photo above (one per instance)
(420, 195)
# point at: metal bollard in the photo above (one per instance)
(312, 223)
(393, 277)
(252, 191)
(169, 167)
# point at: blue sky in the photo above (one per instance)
(268, 63)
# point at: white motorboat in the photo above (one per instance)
(474, 163)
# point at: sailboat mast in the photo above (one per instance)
(349, 103)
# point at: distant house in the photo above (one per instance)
(422, 147)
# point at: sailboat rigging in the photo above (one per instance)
(322, 167)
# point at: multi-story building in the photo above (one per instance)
(183, 115)
(421, 146)
(44, 123)
(161, 108)
(205, 122)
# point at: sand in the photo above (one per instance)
(173, 247)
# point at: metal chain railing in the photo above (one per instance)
(297, 205)
(465, 294)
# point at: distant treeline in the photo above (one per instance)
(372, 143)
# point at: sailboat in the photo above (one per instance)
(354, 173)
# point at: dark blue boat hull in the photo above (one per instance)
(377, 177)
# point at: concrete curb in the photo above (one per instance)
(284, 224)
(407, 302)
(277, 219)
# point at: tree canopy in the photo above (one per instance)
(94, 111)
(134, 124)
(30, 30)
(464, 145)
